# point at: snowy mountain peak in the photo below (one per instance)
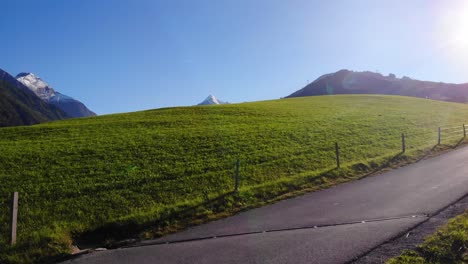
(72, 107)
(212, 100)
(37, 85)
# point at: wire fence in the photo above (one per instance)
(198, 183)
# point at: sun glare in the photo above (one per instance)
(460, 29)
(453, 27)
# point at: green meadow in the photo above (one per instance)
(147, 173)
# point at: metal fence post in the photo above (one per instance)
(14, 217)
(337, 150)
(236, 187)
(438, 141)
(403, 143)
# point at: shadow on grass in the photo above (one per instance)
(117, 234)
(396, 161)
(428, 153)
(401, 159)
(373, 168)
(459, 143)
(438, 149)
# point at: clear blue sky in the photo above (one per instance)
(122, 55)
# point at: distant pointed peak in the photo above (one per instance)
(211, 100)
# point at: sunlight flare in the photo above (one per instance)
(453, 29)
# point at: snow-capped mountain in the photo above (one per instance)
(212, 100)
(37, 85)
(70, 106)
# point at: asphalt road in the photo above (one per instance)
(330, 226)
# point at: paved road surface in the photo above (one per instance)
(330, 226)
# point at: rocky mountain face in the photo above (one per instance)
(350, 82)
(72, 107)
(20, 106)
(212, 100)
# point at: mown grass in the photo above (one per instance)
(152, 172)
(448, 245)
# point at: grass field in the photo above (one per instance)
(145, 169)
(448, 245)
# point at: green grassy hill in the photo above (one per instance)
(146, 168)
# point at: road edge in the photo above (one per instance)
(410, 238)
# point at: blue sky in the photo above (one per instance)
(122, 55)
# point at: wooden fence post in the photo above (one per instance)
(236, 187)
(438, 141)
(14, 217)
(403, 143)
(464, 131)
(337, 150)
